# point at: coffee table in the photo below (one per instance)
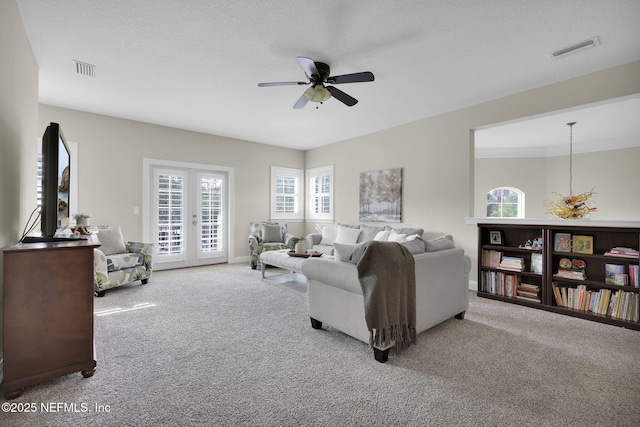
(281, 259)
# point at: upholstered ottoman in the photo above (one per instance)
(281, 259)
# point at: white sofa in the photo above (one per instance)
(335, 297)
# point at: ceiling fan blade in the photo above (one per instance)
(301, 102)
(342, 97)
(365, 76)
(308, 66)
(281, 84)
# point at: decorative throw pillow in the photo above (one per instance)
(111, 241)
(368, 233)
(271, 233)
(415, 246)
(329, 235)
(348, 226)
(410, 238)
(407, 230)
(347, 235)
(439, 243)
(395, 237)
(382, 236)
(342, 251)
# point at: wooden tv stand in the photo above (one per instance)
(48, 313)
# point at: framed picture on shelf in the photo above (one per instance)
(495, 237)
(583, 244)
(562, 242)
(536, 263)
(610, 272)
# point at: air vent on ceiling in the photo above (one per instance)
(84, 69)
(578, 47)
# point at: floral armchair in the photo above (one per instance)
(117, 262)
(267, 236)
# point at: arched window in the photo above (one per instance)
(505, 202)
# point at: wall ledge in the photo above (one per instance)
(553, 222)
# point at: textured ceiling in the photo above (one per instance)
(195, 64)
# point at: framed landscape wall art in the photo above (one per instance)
(381, 195)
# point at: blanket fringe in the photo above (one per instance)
(402, 335)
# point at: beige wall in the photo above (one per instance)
(613, 175)
(526, 174)
(436, 153)
(111, 153)
(18, 120)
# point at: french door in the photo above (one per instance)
(189, 215)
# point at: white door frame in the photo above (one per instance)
(147, 177)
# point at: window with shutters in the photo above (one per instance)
(320, 194)
(286, 193)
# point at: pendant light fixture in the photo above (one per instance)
(570, 207)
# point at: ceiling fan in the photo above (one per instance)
(318, 74)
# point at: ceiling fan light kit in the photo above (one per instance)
(318, 74)
(317, 94)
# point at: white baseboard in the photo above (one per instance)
(473, 285)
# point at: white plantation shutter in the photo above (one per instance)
(287, 193)
(320, 193)
(170, 219)
(211, 213)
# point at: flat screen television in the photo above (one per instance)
(56, 173)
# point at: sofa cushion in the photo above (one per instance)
(122, 261)
(415, 246)
(347, 235)
(407, 230)
(272, 233)
(342, 251)
(348, 226)
(111, 241)
(329, 235)
(439, 243)
(368, 232)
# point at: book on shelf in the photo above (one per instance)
(499, 283)
(624, 305)
(562, 242)
(621, 279)
(582, 244)
(491, 258)
(571, 274)
(511, 263)
(557, 294)
(536, 263)
(619, 304)
(610, 271)
(634, 270)
(623, 252)
(528, 291)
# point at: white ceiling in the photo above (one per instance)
(195, 64)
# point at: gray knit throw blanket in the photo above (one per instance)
(386, 271)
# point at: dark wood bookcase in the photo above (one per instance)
(591, 297)
(48, 313)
